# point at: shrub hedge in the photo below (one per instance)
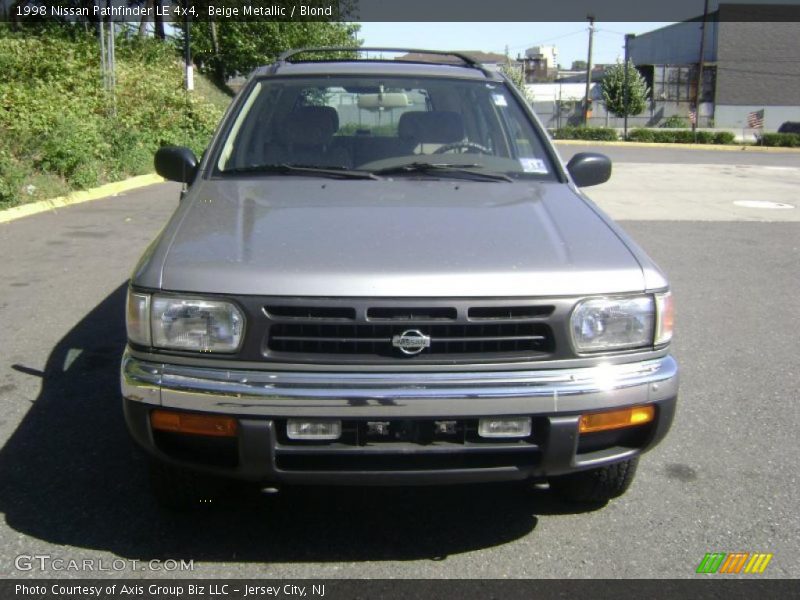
(681, 136)
(604, 134)
(60, 130)
(786, 140)
(645, 135)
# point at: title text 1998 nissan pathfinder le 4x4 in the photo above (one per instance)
(381, 273)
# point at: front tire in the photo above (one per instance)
(595, 486)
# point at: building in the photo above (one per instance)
(559, 101)
(540, 63)
(751, 62)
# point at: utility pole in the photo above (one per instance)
(187, 48)
(107, 31)
(626, 91)
(103, 65)
(586, 99)
(700, 65)
(112, 59)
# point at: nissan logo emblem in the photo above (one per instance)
(411, 341)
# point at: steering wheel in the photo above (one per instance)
(462, 145)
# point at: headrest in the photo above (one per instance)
(310, 125)
(434, 127)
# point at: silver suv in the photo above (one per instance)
(380, 272)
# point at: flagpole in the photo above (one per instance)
(700, 64)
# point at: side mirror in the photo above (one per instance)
(589, 168)
(176, 163)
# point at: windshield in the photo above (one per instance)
(391, 126)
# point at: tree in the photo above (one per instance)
(578, 65)
(613, 87)
(517, 77)
(229, 48)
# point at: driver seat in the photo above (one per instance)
(418, 128)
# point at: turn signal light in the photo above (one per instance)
(193, 423)
(617, 419)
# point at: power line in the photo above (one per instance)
(609, 31)
(552, 39)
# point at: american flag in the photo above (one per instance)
(693, 116)
(755, 119)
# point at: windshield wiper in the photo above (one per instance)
(448, 168)
(287, 169)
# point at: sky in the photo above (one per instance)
(571, 39)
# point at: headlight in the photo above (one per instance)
(599, 324)
(195, 324)
(184, 323)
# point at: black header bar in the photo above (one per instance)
(400, 11)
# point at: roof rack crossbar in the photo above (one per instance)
(467, 60)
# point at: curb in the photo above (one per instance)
(109, 189)
(712, 147)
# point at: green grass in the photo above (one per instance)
(210, 92)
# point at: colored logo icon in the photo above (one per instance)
(734, 562)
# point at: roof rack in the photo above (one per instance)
(467, 61)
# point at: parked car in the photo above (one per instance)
(382, 273)
(789, 127)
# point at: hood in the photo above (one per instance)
(298, 236)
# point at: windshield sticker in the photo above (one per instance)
(499, 100)
(533, 165)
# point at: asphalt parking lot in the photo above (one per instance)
(73, 486)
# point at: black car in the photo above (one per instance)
(789, 127)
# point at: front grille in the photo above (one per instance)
(412, 332)
(410, 313)
(377, 340)
(509, 312)
(310, 312)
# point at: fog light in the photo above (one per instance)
(445, 427)
(378, 427)
(504, 428)
(313, 429)
(193, 423)
(617, 419)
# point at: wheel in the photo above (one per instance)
(595, 486)
(462, 146)
(182, 490)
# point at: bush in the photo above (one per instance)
(641, 135)
(681, 136)
(60, 130)
(71, 149)
(786, 140)
(675, 122)
(724, 137)
(603, 134)
(12, 178)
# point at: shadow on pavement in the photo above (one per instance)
(70, 475)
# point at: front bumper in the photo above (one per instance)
(260, 400)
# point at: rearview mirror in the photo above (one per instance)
(379, 101)
(176, 163)
(589, 168)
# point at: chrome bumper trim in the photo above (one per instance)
(283, 393)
